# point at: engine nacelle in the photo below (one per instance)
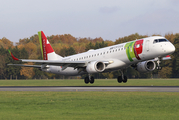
(146, 66)
(95, 67)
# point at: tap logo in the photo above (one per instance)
(133, 49)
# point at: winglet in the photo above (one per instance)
(14, 58)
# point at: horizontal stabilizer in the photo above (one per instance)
(36, 66)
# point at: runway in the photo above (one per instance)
(92, 88)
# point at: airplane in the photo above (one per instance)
(141, 54)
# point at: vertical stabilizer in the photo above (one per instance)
(46, 49)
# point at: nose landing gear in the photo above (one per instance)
(158, 64)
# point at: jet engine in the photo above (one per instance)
(146, 66)
(95, 67)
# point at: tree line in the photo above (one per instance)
(65, 45)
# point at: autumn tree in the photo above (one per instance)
(67, 51)
(175, 57)
(2, 66)
(79, 47)
(68, 39)
(170, 37)
(54, 39)
(129, 38)
(28, 72)
(89, 46)
(31, 48)
(6, 43)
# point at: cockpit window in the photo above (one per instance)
(163, 40)
(155, 41)
(160, 40)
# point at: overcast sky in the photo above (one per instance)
(109, 19)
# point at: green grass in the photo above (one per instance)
(98, 82)
(89, 105)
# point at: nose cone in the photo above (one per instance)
(171, 49)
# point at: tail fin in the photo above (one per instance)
(46, 49)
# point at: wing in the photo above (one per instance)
(45, 63)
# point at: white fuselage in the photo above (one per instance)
(120, 55)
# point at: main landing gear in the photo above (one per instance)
(89, 79)
(122, 78)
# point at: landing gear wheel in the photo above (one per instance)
(159, 68)
(119, 79)
(125, 79)
(92, 80)
(86, 80)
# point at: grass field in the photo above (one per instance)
(98, 82)
(89, 106)
(26, 105)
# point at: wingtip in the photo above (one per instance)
(14, 58)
